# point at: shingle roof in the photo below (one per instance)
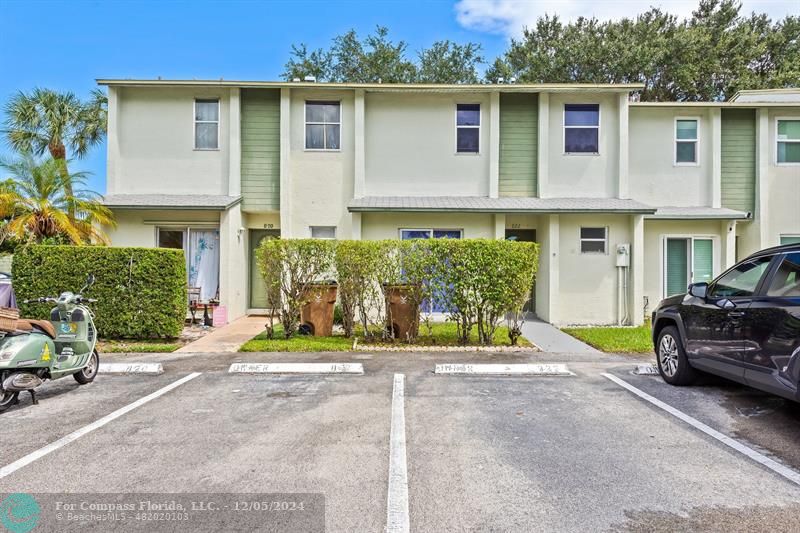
(173, 201)
(698, 213)
(481, 204)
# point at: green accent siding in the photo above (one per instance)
(261, 150)
(739, 159)
(519, 124)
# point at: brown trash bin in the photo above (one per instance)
(317, 314)
(402, 313)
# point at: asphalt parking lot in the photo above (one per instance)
(495, 453)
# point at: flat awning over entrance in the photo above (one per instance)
(171, 201)
(481, 204)
(698, 213)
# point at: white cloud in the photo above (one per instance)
(510, 16)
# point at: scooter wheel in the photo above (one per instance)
(89, 372)
(8, 399)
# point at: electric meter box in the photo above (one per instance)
(623, 255)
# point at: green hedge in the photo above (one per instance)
(478, 282)
(140, 292)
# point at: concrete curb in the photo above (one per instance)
(131, 368)
(296, 368)
(538, 369)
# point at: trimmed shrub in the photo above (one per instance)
(289, 268)
(140, 292)
(477, 282)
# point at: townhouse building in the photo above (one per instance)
(629, 201)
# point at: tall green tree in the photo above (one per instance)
(449, 62)
(58, 123)
(377, 58)
(709, 56)
(35, 198)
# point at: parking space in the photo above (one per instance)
(539, 453)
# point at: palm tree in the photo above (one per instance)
(56, 121)
(35, 201)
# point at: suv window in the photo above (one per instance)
(742, 280)
(786, 282)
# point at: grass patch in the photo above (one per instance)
(615, 339)
(145, 346)
(442, 334)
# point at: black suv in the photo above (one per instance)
(744, 325)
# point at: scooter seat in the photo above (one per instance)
(29, 324)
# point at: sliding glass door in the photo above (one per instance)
(687, 260)
(201, 248)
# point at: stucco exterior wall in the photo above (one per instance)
(376, 226)
(583, 175)
(588, 282)
(411, 146)
(782, 215)
(320, 183)
(654, 233)
(137, 227)
(655, 179)
(153, 136)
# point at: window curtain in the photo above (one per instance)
(204, 262)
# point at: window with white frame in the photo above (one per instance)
(408, 234)
(594, 240)
(468, 128)
(788, 141)
(687, 135)
(581, 128)
(323, 232)
(206, 124)
(323, 125)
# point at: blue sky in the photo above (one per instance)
(66, 45)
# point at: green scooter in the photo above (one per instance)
(49, 349)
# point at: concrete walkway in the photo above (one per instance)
(228, 338)
(551, 339)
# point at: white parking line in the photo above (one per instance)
(75, 435)
(760, 458)
(397, 520)
(296, 368)
(538, 369)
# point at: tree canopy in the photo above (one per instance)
(708, 56)
(378, 59)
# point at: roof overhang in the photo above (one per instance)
(382, 87)
(199, 202)
(698, 213)
(480, 204)
(724, 105)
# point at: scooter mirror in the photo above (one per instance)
(90, 280)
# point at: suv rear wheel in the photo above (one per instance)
(672, 362)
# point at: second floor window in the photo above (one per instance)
(323, 126)
(581, 129)
(686, 138)
(206, 124)
(468, 128)
(788, 141)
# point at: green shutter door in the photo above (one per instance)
(677, 266)
(702, 260)
(258, 289)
